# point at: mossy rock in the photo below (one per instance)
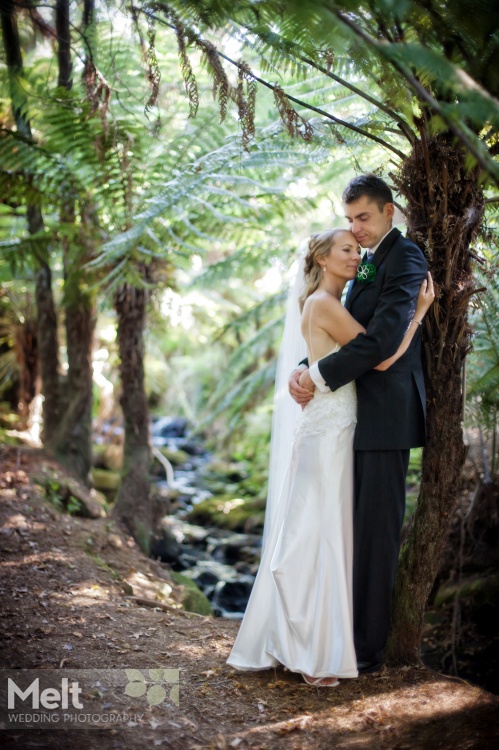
(231, 471)
(174, 456)
(228, 512)
(215, 486)
(482, 590)
(256, 485)
(107, 456)
(106, 481)
(193, 599)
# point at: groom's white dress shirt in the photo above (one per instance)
(317, 378)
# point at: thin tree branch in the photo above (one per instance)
(321, 112)
(404, 126)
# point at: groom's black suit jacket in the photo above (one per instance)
(391, 406)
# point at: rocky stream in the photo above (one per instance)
(212, 531)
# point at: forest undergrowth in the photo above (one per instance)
(72, 598)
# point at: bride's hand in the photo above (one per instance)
(306, 381)
(425, 299)
(300, 394)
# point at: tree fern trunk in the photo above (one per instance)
(63, 43)
(26, 346)
(133, 506)
(47, 319)
(73, 444)
(48, 346)
(445, 209)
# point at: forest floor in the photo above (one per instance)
(65, 588)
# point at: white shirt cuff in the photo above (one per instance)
(319, 381)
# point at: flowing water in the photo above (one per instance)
(222, 563)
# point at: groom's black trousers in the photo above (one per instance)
(378, 515)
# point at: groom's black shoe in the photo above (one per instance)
(366, 667)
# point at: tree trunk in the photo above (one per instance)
(47, 319)
(73, 444)
(88, 13)
(64, 43)
(445, 210)
(26, 344)
(48, 346)
(133, 506)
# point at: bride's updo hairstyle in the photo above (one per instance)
(319, 246)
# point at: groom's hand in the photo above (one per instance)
(302, 395)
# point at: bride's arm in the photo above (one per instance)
(425, 299)
(332, 317)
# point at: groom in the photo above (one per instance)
(391, 404)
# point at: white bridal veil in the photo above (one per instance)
(286, 411)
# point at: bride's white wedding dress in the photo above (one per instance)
(300, 610)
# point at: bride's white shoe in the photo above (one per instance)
(321, 681)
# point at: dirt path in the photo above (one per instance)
(64, 588)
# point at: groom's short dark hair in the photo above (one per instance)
(370, 185)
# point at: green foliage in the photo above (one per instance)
(216, 199)
(161, 200)
(60, 500)
(423, 57)
(483, 363)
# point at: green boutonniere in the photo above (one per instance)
(366, 273)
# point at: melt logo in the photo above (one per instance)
(50, 698)
(154, 690)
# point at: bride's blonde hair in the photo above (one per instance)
(319, 246)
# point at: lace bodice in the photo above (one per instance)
(330, 411)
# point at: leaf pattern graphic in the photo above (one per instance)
(175, 694)
(155, 695)
(135, 689)
(134, 674)
(156, 674)
(171, 675)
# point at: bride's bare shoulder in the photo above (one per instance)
(324, 302)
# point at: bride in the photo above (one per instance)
(300, 610)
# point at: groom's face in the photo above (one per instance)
(368, 222)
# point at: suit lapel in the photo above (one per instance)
(351, 287)
(353, 282)
(385, 246)
(356, 287)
